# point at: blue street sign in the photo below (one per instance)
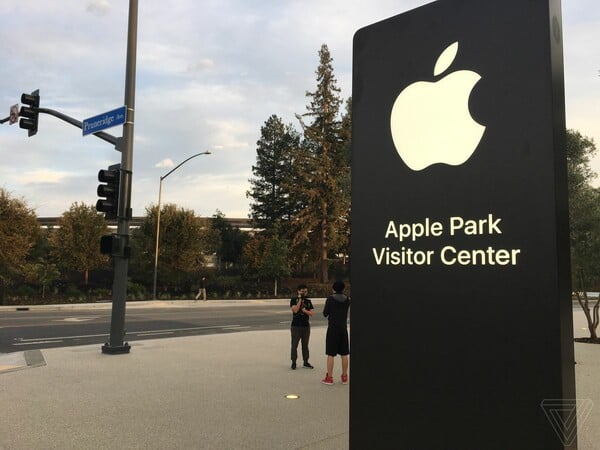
(104, 120)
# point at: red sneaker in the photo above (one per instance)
(344, 379)
(327, 380)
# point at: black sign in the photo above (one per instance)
(461, 323)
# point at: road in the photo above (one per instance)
(39, 329)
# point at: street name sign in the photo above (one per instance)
(104, 121)
(461, 323)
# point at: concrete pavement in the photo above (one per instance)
(587, 385)
(222, 391)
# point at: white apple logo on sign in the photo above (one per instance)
(430, 121)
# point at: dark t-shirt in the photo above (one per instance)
(336, 310)
(300, 319)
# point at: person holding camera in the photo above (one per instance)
(302, 310)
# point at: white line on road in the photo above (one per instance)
(37, 342)
(75, 319)
(47, 340)
(62, 337)
(153, 333)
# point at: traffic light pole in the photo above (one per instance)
(116, 343)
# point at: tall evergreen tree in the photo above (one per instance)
(271, 200)
(345, 161)
(320, 171)
(346, 135)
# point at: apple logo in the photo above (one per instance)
(431, 122)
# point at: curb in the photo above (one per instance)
(152, 304)
(10, 362)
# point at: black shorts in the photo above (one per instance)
(336, 342)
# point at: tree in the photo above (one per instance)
(19, 232)
(584, 219)
(42, 270)
(345, 161)
(271, 199)
(184, 242)
(580, 150)
(232, 240)
(345, 154)
(266, 256)
(320, 172)
(76, 243)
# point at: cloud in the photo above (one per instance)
(167, 162)
(43, 177)
(201, 65)
(99, 7)
(205, 193)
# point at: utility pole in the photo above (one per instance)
(116, 343)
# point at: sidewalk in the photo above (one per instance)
(222, 391)
(587, 384)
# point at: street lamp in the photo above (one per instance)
(158, 215)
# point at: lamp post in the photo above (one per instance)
(158, 215)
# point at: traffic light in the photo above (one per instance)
(110, 204)
(30, 113)
(108, 244)
(115, 245)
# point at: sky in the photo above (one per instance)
(209, 74)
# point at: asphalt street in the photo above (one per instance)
(61, 326)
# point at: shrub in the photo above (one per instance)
(136, 291)
(72, 292)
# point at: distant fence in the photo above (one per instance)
(136, 222)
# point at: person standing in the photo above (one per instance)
(302, 310)
(202, 290)
(336, 339)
